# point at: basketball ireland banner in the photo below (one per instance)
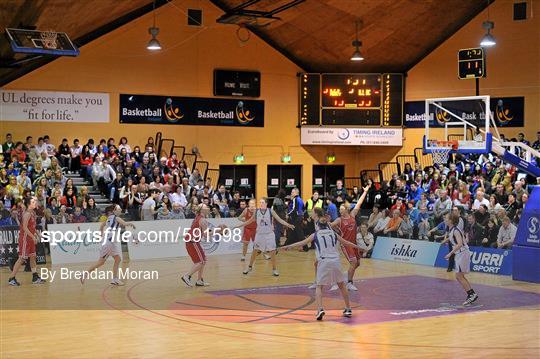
(507, 112)
(202, 111)
(51, 106)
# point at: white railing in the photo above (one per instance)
(527, 151)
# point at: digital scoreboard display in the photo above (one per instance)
(351, 99)
(351, 91)
(237, 83)
(471, 63)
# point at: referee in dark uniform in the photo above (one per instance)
(295, 215)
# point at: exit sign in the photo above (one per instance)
(471, 63)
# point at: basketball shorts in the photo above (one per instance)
(463, 262)
(196, 252)
(351, 253)
(110, 248)
(27, 247)
(265, 242)
(329, 271)
(248, 235)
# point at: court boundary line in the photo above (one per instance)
(308, 339)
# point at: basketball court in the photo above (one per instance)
(199, 107)
(400, 310)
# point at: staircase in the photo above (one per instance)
(79, 182)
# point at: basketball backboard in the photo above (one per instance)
(41, 42)
(465, 121)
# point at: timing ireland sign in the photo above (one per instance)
(352, 136)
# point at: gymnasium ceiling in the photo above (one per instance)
(315, 34)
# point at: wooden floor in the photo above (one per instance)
(162, 318)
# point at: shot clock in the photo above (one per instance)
(351, 99)
(471, 63)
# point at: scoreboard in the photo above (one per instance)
(471, 63)
(351, 100)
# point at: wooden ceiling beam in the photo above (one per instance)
(14, 74)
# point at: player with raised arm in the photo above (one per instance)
(462, 256)
(265, 239)
(200, 227)
(28, 238)
(328, 263)
(111, 246)
(346, 224)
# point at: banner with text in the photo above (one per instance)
(507, 112)
(80, 250)
(406, 250)
(9, 246)
(51, 106)
(169, 110)
(168, 249)
(528, 232)
(149, 240)
(486, 260)
(341, 136)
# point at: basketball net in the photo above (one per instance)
(440, 151)
(49, 39)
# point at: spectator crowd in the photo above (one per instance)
(145, 185)
(488, 194)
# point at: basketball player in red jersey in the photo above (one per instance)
(28, 238)
(346, 224)
(200, 228)
(250, 229)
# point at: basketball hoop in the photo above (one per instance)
(440, 151)
(48, 39)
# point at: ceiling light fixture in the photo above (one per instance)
(488, 40)
(357, 55)
(154, 44)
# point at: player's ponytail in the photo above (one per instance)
(319, 212)
(110, 209)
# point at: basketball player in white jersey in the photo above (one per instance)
(462, 256)
(265, 239)
(328, 262)
(347, 228)
(111, 245)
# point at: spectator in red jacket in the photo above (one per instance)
(69, 200)
(19, 152)
(86, 162)
(399, 206)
